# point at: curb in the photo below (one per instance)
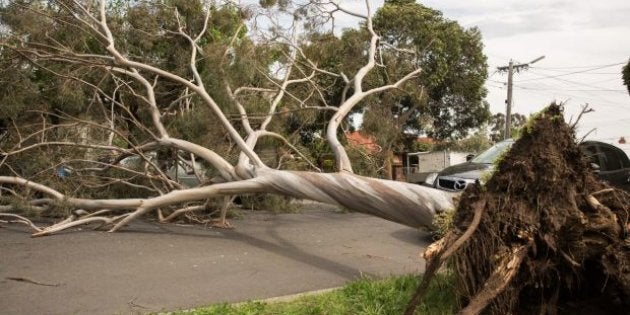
(277, 299)
(292, 297)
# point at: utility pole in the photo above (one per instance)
(510, 68)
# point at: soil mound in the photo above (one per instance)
(543, 236)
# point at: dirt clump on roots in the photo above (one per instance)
(542, 236)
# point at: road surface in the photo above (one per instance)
(151, 267)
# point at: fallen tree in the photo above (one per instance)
(543, 235)
(409, 204)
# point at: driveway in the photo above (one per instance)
(151, 267)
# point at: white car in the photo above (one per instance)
(187, 172)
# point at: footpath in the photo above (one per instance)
(151, 267)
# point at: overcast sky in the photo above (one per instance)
(590, 37)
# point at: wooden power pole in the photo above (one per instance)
(510, 68)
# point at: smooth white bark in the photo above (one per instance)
(409, 204)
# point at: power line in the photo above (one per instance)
(582, 67)
(495, 86)
(543, 76)
(586, 72)
(594, 100)
(544, 90)
(570, 73)
(607, 124)
(496, 81)
(610, 120)
(608, 80)
(570, 90)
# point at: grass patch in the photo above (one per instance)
(365, 297)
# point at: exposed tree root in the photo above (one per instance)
(551, 235)
(498, 280)
(438, 254)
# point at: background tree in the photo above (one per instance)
(497, 125)
(475, 143)
(445, 100)
(454, 67)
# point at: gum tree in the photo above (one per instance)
(239, 88)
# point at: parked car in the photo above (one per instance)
(188, 172)
(609, 162)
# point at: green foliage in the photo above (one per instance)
(476, 143)
(363, 297)
(497, 125)
(418, 146)
(443, 223)
(487, 174)
(365, 163)
(527, 126)
(192, 125)
(454, 67)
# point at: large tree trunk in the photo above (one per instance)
(408, 204)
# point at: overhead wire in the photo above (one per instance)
(570, 90)
(594, 99)
(573, 72)
(590, 92)
(564, 71)
(582, 67)
(543, 76)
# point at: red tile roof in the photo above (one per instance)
(360, 140)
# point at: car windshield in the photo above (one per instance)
(490, 155)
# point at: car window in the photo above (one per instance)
(490, 155)
(611, 159)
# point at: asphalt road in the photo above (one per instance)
(151, 267)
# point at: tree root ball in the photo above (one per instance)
(552, 239)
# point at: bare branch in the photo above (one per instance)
(21, 219)
(585, 110)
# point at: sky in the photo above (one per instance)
(585, 44)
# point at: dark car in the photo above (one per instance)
(609, 162)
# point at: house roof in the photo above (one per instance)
(368, 142)
(358, 139)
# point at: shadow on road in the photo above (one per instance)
(282, 247)
(412, 236)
